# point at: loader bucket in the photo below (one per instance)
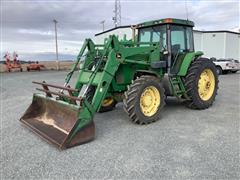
(57, 122)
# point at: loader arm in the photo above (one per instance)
(63, 121)
(87, 45)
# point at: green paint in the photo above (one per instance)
(187, 61)
(111, 67)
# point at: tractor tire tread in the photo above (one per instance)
(131, 95)
(191, 84)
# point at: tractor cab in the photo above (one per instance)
(175, 38)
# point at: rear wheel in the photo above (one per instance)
(201, 83)
(234, 71)
(144, 100)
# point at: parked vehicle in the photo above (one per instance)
(35, 66)
(12, 64)
(225, 66)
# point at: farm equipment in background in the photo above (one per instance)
(141, 72)
(35, 66)
(12, 65)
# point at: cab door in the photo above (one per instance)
(181, 43)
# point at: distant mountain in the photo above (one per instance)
(25, 58)
(47, 57)
(28, 62)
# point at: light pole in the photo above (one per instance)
(55, 24)
(102, 22)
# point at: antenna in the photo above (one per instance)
(186, 8)
(117, 13)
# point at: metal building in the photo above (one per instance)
(218, 44)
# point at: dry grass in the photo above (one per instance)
(50, 65)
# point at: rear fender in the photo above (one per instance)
(187, 61)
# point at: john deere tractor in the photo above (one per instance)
(158, 61)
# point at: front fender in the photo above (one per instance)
(187, 61)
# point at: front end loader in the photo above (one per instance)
(158, 61)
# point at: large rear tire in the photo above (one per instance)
(201, 83)
(144, 100)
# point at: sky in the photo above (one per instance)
(27, 26)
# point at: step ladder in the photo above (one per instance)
(178, 87)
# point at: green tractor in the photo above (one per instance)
(158, 61)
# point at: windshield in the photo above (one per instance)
(154, 34)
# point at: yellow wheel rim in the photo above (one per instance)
(150, 101)
(107, 101)
(206, 84)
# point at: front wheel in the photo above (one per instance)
(108, 104)
(201, 83)
(144, 100)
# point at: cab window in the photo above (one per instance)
(145, 35)
(181, 39)
(154, 34)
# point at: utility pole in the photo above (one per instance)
(55, 24)
(102, 22)
(117, 13)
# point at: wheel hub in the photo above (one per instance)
(150, 101)
(107, 101)
(206, 84)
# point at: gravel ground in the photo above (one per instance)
(184, 144)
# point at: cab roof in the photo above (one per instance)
(166, 21)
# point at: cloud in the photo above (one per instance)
(27, 26)
(37, 32)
